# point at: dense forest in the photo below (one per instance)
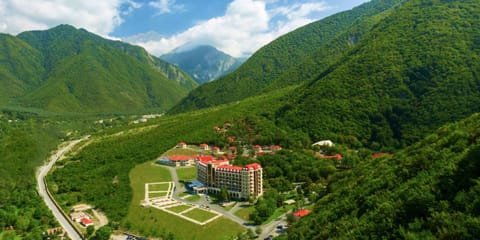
(415, 71)
(24, 144)
(291, 59)
(430, 190)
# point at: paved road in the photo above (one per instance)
(46, 198)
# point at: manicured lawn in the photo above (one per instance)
(199, 214)
(183, 194)
(150, 222)
(244, 212)
(179, 208)
(193, 198)
(158, 187)
(156, 194)
(187, 173)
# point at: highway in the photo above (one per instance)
(41, 187)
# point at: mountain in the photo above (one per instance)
(65, 69)
(430, 190)
(203, 63)
(294, 58)
(412, 73)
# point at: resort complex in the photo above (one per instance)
(241, 182)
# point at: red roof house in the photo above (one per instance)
(301, 213)
(86, 222)
(182, 145)
(204, 146)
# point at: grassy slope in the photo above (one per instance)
(152, 222)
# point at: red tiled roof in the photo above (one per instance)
(336, 156)
(253, 166)
(203, 145)
(179, 158)
(302, 213)
(86, 221)
(275, 147)
(181, 143)
(377, 155)
(216, 148)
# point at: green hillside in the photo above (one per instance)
(415, 71)
(293, 58)
(20, 68)
(430, 190)
(65, 69)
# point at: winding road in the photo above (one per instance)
(41, 184)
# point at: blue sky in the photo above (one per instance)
(237, 27)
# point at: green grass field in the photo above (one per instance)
(199, 215)
(158, 187)
(187, 173)
(244, 212)
(157, 194)
(179, 208)
(193, 198)
(152, 222)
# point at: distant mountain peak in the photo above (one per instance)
(203, 62)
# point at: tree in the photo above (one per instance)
(224, 197)
(103, 233)
(90, 230)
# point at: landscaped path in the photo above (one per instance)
(180, 189)
(42, 172)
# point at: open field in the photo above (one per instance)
(157, 194)
(187, 173)
(179, 208)
(199, 214)
(158, 187)
(152, 222)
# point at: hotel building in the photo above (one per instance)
(241, 182)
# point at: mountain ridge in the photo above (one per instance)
(78, 71)
(204, 63)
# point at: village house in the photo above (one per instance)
(204, 147)
(182, 145)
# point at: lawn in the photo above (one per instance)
(199, 215)
(278, 212)
(151, 222)
(179, 208)
(244, 212)
(158, 187)
(157, 194)
(193, 198)
(187, 173)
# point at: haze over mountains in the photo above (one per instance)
(65, 69)
(204, 63)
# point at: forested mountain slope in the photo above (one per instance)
(71, 70)
(431, 190)
(416, 70)
(293, 58)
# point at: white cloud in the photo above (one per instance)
(246, 26)
(166, 6)
(98, 16)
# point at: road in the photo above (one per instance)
(42, 172)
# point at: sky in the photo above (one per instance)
(237, 27)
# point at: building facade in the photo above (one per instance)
(241, 182)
